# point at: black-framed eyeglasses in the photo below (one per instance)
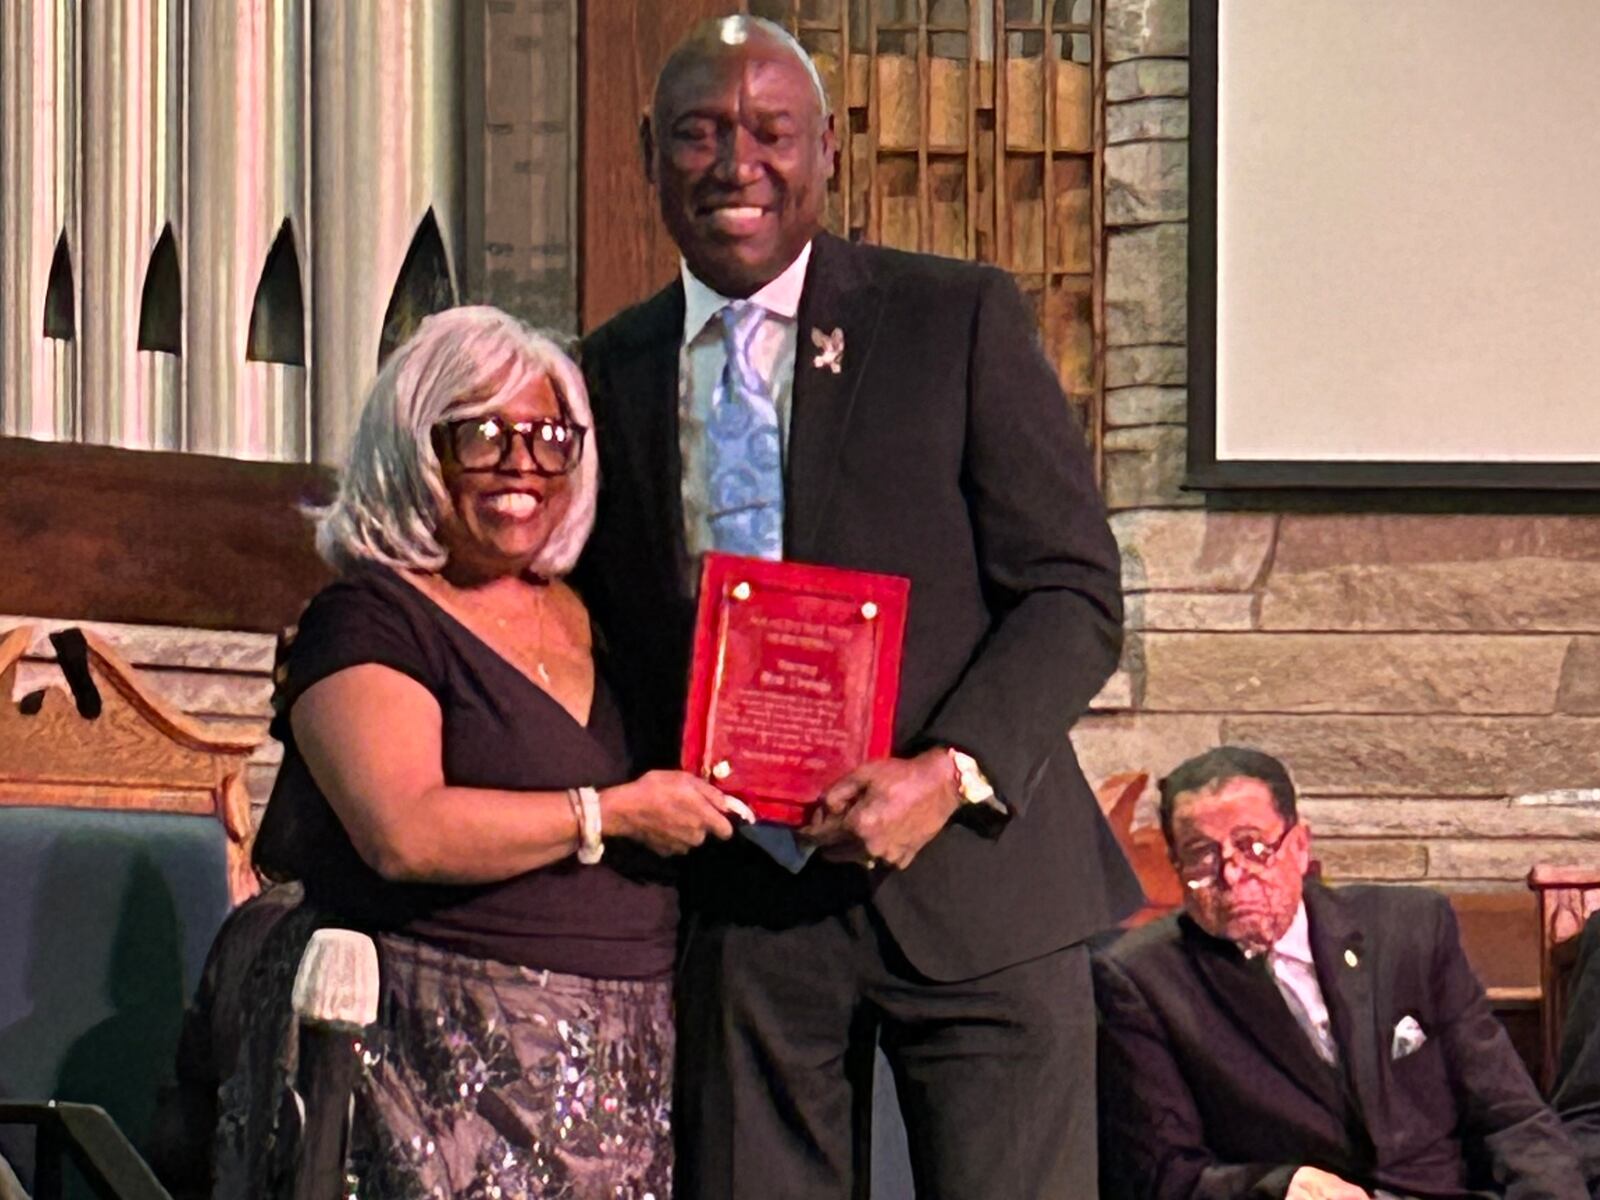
(1251, 851)
(554, 444)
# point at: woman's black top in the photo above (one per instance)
(615, 920)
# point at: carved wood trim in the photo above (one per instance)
(233, 806)
(178, 726)
(1567, 897)
(35, 793)
(12, 647)
(138, 755)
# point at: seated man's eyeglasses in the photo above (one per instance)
(484, 443)
(1200, 866)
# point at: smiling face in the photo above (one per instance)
(499, 519)
(1250, 905)
(740, 154)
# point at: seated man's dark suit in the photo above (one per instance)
(1577, 1092)
(1209, 1087)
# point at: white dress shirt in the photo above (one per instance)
(1294, 970)
(700, 361)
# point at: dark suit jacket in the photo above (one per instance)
(1210, 1089)
(184, 1128)
(1577, 1090)
(943, 451)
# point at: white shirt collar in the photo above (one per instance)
(781, 297)
(1296, 940)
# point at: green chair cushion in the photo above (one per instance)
(105, 919)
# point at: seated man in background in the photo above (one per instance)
(1280, 1039)
(1577, 1092)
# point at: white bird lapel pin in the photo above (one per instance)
(830, 348)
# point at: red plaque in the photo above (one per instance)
(794, 680)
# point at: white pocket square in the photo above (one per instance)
(1408, 1038)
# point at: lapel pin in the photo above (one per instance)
(1350, 958)
(831, 346)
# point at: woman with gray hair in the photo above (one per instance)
(455, 782)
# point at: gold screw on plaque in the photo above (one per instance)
(723, 768)
(869, 610)
(741, 591)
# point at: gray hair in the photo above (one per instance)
(460, 363)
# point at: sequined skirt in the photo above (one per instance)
(500, 1082)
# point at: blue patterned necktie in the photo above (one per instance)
(745, 460)
(746, 502)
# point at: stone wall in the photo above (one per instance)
(1433, 682)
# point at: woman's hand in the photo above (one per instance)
(671, 812)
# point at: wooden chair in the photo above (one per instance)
(124, 842)
(1145, 847)
(135, 754)
(1567, 896)
(1500, 935)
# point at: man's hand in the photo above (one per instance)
(886, 811)
(1311, 1184)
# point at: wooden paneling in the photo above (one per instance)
(627, 254)
(98, 534)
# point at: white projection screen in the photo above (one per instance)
(1395, 243)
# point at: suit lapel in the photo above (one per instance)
(843, 301)
(1244, 989)
(1346, 977)
(647, 385)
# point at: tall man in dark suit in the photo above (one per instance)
(919, 431)
(1280, 1039)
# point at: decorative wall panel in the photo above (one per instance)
(131, 191)
(971, 128)
(172, 280)
(248, 199)
(386, 125)
(39, 230)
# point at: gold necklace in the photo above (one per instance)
(541, 595)
(540, 669)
